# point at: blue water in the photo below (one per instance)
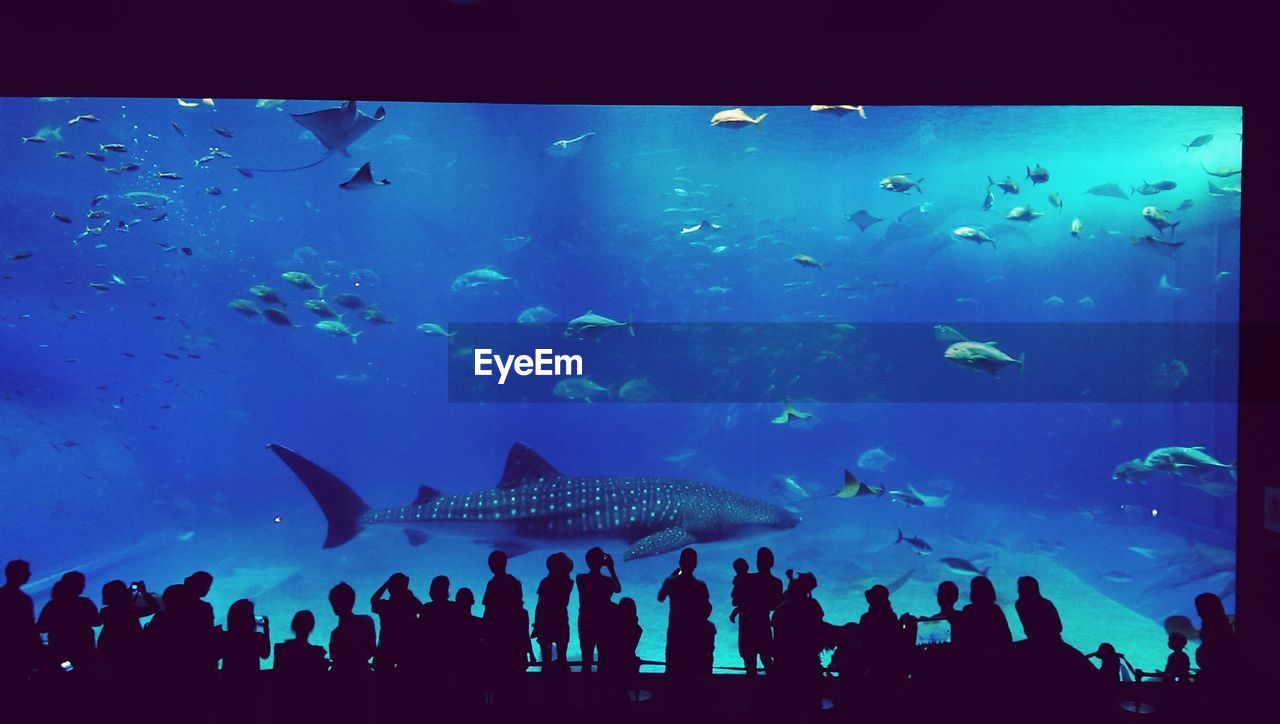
(144, 466)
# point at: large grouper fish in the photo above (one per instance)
(534, 502)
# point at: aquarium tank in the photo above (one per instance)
(896, 345)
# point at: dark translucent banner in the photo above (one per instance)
(709, 363)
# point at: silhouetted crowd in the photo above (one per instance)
(438, 656)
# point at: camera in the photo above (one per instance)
(260, 620)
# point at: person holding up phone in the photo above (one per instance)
(120, 645)
(595, 603)
(247, 640)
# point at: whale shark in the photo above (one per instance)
(534, 503)
(335, 128)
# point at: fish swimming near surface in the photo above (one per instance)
(840, 110)
(535, 505)
(568, 147)
(736, 118)
(335, 128)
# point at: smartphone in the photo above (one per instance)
(66, 666)
(260, 619)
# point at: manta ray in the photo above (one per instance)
(335, 128)
(363, 179)
(535, 502)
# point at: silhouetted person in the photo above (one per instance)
(1178, 666)
(551, 616)
(761, 593)
(595, 594)
(298, 656)
(984, 626)
(297, 671)
(352, 643)
(947, 596)
(1216, 655)
(398, 619)
(197, 617)
(437, 634)
(619, 663)
(468, 649)
(247, 640)
(690, 635)
(69, 618)
(19, 641)
(798, 637)
(1108, 664)
(738, 591)
(120, 643)
(1039, 616)
(506, 630)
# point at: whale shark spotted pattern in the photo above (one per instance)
(536, 502)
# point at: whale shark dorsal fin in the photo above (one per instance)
(426, 494)
(524, 466)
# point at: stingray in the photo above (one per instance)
(863, 219)
(335, 128)
(1112, 190)
(363, 179)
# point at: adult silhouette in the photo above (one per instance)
(437, 635)
(506, 631)
(19, 642)
(985, 628)
(247, 639)
(120, 643)
(798, 638)
(1216, 656)
(398, 616)
(1038, 615)
(69, 619)
(763, 592)
(551, 616)
(298, 657)
(595, 594)
(352, 643)
(197, 617)
(467, 656)
(690, 633)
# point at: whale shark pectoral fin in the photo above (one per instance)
(664, 541)
(524, 465)
(416, 537)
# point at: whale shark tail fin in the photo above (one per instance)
(342, 507)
